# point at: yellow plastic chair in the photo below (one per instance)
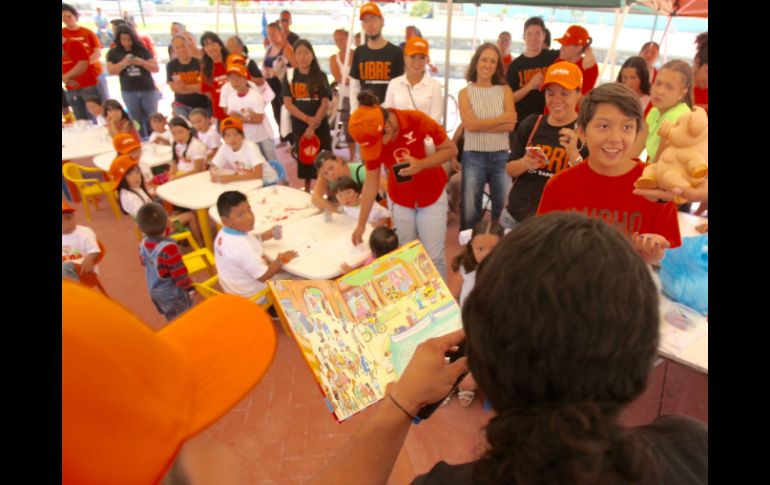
(206, 290)
(199, 258)
(92, 188)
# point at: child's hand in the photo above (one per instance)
(651, 247)
(287, 256)
(267, 235)
(87, 267)
(346, 268)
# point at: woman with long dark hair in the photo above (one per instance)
(131, 60)
(635, 75)
(307, 96)
(213, 74)
(560, 331)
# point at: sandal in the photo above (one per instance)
(465, 397)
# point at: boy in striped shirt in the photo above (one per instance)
(167, 279)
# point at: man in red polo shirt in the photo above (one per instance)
(71, 30)
(78, 77)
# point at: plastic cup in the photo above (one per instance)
(327, 216)
(277, 232)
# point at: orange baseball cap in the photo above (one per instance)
(132, 396)
(231, 122)
(125, 142)
(308, 149)
(565, 74)
(65, 207)
(575, 35)
(240, 69)
(365, 126)
(416, 45)
(235, 59)
(120, 167)
(371, 8)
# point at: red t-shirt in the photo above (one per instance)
(89, 40)
(611, 199)
(701, 97)
(427, 185)
(73, 52)
(507, 62)
(214, 88)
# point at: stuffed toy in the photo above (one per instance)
(683, 161)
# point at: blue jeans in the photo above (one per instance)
(68, 271)
(101, 85)
(140, 105)
(77, 100)
(181, 110)
(479, 169)
(170, 301)
(428, 224)
(267, 147)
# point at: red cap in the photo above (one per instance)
(575, 35)
(308, 149)
(371, 8)
(365, 126)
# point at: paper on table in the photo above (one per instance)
(681, 326)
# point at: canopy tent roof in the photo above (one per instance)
(678, 8)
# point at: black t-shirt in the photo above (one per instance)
(527, 188)
(132, 78)
(253, 69)
(306, 91)
(375, 68)
(679, 443)
(520, 71)
(190, 73)
(292, 38)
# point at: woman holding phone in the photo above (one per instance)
(544, 145)
(416, 181)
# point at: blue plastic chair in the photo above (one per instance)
(283, 179)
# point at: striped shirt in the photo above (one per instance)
(170, 263)
(487, 103)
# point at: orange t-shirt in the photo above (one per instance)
(89, 40)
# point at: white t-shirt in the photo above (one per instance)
(227, 90)
(211, 138)
(426, 93)
(244, 160)
(254, 101)
(165, 135)
(377, 213)
(239, 262)
(132, 201)
(197, 151)
(469, 281)
(78, 244)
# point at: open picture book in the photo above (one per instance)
(358, 333)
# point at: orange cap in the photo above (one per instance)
(235, 59)
(365, 126)
(132, 396)
(120, 167)
(371, 8)
(565, 74)
(575, 35)
(125, 142)
(416, 45)
(308, 149)
(231, 122)
(239, 69)
(65, 207)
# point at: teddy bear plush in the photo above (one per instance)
(683, 162)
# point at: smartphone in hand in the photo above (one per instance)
(397, 168)
(537, 152)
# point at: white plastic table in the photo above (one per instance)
(153, 155)
(198, 192)
(688, 223)
(277, 204)
(84, 142)
(321, 246)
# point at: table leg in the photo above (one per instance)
(203, 221)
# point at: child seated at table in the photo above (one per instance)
(348, 194)
(118, 120)
(207, 131)
(609, 122)
(168, 282)
(382, 240)
(239, 258)
(160, 132)
(239, 158)
(79, 248)
(94, 107)
(133, 193)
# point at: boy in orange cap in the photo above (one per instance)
(79, 248)
(239, 158)
(576, 48)
(248, 105)
(136, 403)
(376, 62)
